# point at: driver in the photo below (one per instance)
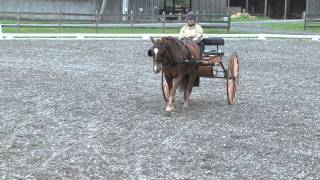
(192, 30)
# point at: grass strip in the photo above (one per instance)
(112, 30)
(291, 26)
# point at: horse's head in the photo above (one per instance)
(159, 54)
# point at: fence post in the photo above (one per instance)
(60, 20)
(140, 16)
(163, 20)
(304, 20)
(97, 21)
(197, 15)
(203, 18)
(214, 17)
(229, 21)
(18, 20)
(131, 21)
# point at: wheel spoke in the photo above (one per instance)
(231, 91)
(234, 90)
(235, 74)
(234, 67)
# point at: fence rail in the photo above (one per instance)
(81, 36)
(311, 21)
(95, 20)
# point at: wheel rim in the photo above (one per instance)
(233, 79)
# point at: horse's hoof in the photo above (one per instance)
(168, 113)
(168, 109)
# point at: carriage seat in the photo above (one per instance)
(214, 41)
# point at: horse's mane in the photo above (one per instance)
(175, 40)
(174, 49)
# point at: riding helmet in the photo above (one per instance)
(191, 15)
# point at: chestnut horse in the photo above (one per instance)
(168, 54)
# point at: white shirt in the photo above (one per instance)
(195, 33)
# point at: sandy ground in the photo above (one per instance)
(94, 110)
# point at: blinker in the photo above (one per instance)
(150, 53)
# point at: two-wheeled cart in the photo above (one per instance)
(211, 66)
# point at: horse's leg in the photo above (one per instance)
(185, 90)
(169, 83)
(188, 90)
(170, 106)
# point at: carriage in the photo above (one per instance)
(211, 66)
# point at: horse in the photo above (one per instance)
(167, 54)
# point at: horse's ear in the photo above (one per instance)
(150, 53)
(152, 40)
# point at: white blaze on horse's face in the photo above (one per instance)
(156, 64)
(155, 50)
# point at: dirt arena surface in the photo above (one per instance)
(94, 110)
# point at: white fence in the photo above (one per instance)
(57, 36)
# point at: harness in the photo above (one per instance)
(183, 57)
(183, 44)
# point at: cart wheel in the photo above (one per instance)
(233, 78)
(165, 88)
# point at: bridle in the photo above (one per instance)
(160, 60)
(182, 44)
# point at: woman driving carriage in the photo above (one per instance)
(192, 30)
